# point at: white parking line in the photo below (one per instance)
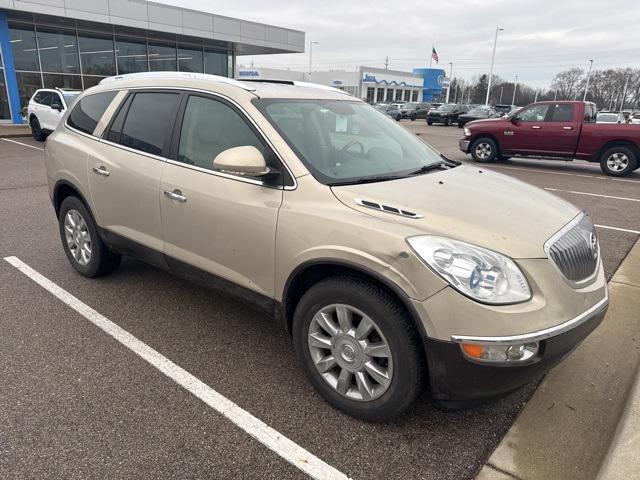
(288, 450)
(606, 227)
(23, 144)
(524, 169)
(593, 194)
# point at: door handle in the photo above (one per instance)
(567, 128)
(536, 127)
(175, 195)
(101, 170)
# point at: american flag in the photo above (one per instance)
(434, 55)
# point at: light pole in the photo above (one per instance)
(493, 57)
(586, 87)
(450, 80)
(501, 91)
(515, 87)
(624, 93)
(311, 44)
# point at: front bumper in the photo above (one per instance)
(457, 382)
(464, 145)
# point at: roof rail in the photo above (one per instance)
(178, 75)
(296, 83)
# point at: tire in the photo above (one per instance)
(460, 125)
(398, 118)
(36, 130)
(99, 260)
(484, 150)
(447, 122)
(404, 365)
(429, 122)
(413, 117)
(618, 161)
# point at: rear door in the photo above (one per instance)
(125, 172)
(561, 129)
(42, 108)
(525, 134)
(54, 115)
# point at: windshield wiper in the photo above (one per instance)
(356, 181)
(427, 168)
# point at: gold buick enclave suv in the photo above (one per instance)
(391, 266)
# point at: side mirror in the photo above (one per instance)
(244, 161)
(57, 106)
(514, 119)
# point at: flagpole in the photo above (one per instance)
(431, 56)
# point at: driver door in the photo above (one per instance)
(526, 131)
(217, 222)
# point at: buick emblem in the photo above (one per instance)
(593, 244)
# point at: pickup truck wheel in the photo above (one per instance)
(484, 150)
(618, 162)
(358, 348)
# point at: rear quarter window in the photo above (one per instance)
(87, 112)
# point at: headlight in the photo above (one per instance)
(467, 132)
(476, 272)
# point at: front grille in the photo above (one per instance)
(575, 250)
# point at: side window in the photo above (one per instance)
(116, 126)
(147, 123)
(590, 113)
(87, 112)
(44, 99)
(536, 113)
(562, 112)
(55, 99)
(210, 127)
(38, 97)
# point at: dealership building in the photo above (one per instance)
(76, 43)
(374, 85)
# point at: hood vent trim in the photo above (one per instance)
(387, 209)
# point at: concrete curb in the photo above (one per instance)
(9, 131)
(571, 421)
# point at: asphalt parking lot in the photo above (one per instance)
(76, 403)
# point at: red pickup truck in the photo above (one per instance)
(565, 130)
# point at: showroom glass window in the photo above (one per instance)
(23, 45)
(132, 55)
(96, 54)
(215, 62)
(162, 56)
(190, 59)
(5, 113)
(58, 50)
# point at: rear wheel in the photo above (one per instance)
(429, 122)
(36, 130)
(358, 348)
(413, 117)
(86, 252)
(484, 150)
(447, 122)
(618, 161)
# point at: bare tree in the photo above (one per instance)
(566, 83)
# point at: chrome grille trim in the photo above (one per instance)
(386, 208)
(569, 251)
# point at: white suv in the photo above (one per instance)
(46, 108)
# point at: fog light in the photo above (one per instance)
(500, 353)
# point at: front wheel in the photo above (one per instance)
(429, 122)
(358, 348)
(83, 246)
(447, 122)
(618, 162)
(484, 150)
(413, 117)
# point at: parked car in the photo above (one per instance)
(610, 117)
(565, 130)
(447, 113)
(361, 240)
(421, 111)
(408, 109)
(504, 109)
(635, 118)
(46, 108)
(390, 109)
(476, 113)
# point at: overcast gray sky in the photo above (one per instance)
(540, 37)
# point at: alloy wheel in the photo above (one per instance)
(617, 162)
(78, 237)
(483, 150)
(350, 352)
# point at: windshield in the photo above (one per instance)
(347, 142)
(479, 112)
(409, 106)
(446, 107)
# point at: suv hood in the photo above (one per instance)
(471, 204)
